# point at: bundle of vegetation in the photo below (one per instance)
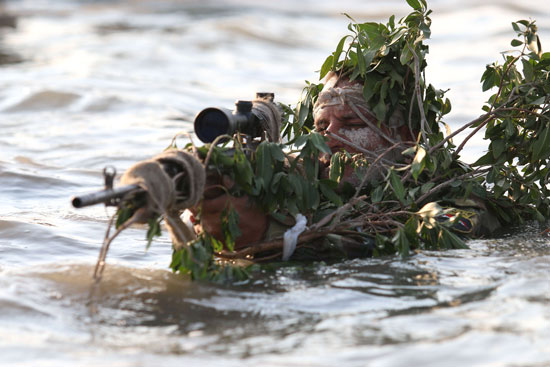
(425, 197)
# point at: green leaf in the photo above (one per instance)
(516, 43)
(510, 128)
(418, 163)
(276, 152)
(411, 229)
(327, 66)
(369, 56)
(485, 160)
(452, 239)
(216, 245)
(360, 60)
(380, 110)
(301, 140)
(401, 242)
(377, 194)
(338, 52)
(391, 22)
(153, 230)
(397, 186)
(427, 187)
(336, 168)
(295, 182)
(456, 183)
(319, 142)
(302, 111)
(541, 147)
(275, 182)
(406, 55)
(243, 169)
(539, 101)
(528, 71)
(414, 4)
(498, 147)
(329, 193)
(376, 38)
(230, 227)
(123, 214)
(263, 164)
(490, 80)
(369, 88)
(539, 216)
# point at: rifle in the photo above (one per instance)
(109, 196)
(210, 123)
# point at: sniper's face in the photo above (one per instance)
(341, 110)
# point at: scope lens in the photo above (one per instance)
(211, 123)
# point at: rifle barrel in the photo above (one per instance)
(104, 196)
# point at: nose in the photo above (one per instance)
(334, 127)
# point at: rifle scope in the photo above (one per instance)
(215, 121)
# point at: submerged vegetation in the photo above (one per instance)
(400, 211)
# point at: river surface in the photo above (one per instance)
(85, 84)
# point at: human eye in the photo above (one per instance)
(321, 125)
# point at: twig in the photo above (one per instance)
(506, 73)
(461, 146)
(370, 124)
(212, 145)
(274, 244)
(448, 182)
(456, 132)
(423, 121)
(371, 166)
(410, 114)
(346, 55)
(492, 109)
(100, 265)
(522, 110)
(360, 149)
(327, 218)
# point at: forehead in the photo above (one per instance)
(341, 110)
(336, 95)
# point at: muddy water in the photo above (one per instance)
(85, 84)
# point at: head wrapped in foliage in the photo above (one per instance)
(387, 61)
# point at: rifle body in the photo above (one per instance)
(108, 196)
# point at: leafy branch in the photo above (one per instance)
(413, 203)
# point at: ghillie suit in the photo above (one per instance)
(427, 199)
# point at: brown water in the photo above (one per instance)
(87, 84)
